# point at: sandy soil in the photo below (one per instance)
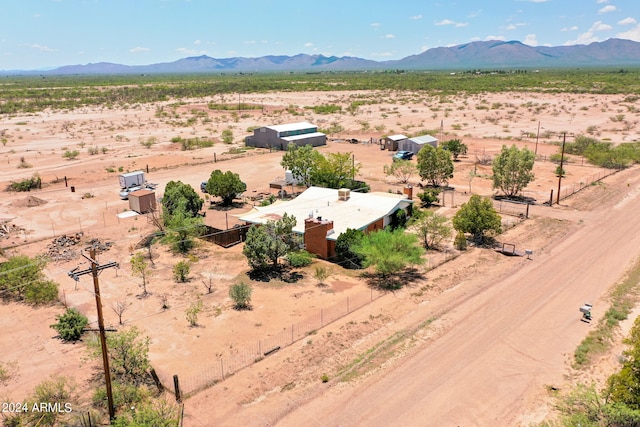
(482, 365)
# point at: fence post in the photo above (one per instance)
(176, 386)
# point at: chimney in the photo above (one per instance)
(344, 194)
(408, 191)
(316, 231)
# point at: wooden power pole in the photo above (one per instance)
(75, 275)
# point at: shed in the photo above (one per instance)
(391, 142)
(415, 144)
(142, 201)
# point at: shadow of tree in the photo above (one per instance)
(393, 282)
(282, 272)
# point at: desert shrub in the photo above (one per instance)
(181, 271)
(429, 196)
(460, 242)
(299, 258)
(26, 184)
(71, 154)
(241, 295)
(42, 292)
(70, 325)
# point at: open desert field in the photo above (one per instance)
(475, 339)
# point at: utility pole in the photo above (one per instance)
(564, 139)
(75, 275)
(537, 137)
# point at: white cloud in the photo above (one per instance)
(139, 49)
(633, 34)
(607, 9)
(196, 42)
(589, 36)
(574, 28)
(531, 40)
(627, 21)
(190, 52)
(445, 22)
(602, 1)
(536, 1)
(450, 22)
(42, 47)
(308, 44)
(389, 36)
(375, 25)
(488, 38)
(416, 17)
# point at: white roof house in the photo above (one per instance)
(356, 210)
(415, 144)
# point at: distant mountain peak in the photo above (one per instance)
(481, 54)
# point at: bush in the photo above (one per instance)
(181, 271)
(70, 324)
(460, 242)
(241, 295)
(299, 258)
(429, 196)
(26, 184)
(41, 292)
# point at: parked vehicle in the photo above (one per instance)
(131, 179)
(124, 193)
(203, 186)
(403, 155)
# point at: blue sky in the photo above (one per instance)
(48, 33)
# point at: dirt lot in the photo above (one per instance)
(264, 393)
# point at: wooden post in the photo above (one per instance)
(176, 386)
(156, 379)
(564, 138)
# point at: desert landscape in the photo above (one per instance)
(477, 339)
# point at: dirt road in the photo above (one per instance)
(503, 344)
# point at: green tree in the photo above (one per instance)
(225, 185)
(435, 165)
(624, 386)
(301, 161)
(345, 243)
(432, 228)
(402, 170)
(22, 279)
(240, 293)
(336, 170)
(267, 243)
(181, 229)
(455, 147)
(389, 252)
(180, 196)
(477, 216)
(70, 325)
(128, 356)
(513, 170)
(140, 267)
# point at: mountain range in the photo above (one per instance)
(475, 55)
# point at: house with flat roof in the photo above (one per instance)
(323, 214)
(280, 136)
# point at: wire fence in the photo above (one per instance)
(240, 358)
(573, 188)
